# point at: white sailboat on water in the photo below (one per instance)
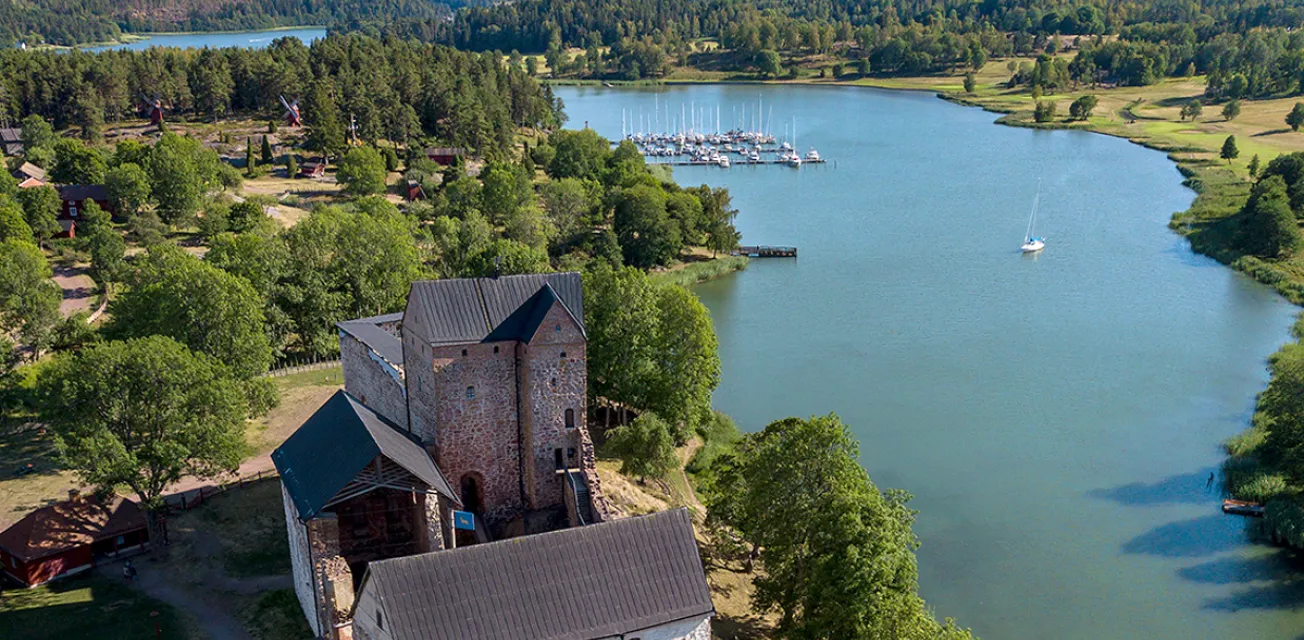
(1033, 244)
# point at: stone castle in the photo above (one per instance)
(472, 400)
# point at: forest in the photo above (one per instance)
(1248, 49)
(396, 90)
(72, 22)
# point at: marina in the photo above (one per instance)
(699, 138)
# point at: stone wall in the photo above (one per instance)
(377, 382)
(555, 379)
(691, 629)
(423, 393)
(300, 562)
(477, 428)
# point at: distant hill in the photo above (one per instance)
(70, 22)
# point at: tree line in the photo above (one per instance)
(72, 22)
(396, 90)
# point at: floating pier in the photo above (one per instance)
(766, 251)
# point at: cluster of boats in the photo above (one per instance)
(717, 149)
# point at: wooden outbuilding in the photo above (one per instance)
(70, 537)
(445, 155)
(312, 170)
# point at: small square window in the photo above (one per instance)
(470, 393)
(463, 353)
(558, 328)
(563, 355)
(495, 349)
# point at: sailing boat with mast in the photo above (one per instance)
(1032, 244)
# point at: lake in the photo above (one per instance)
(247, 39)
(1055, 416)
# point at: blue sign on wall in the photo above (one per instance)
(464, 520)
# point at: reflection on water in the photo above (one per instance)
(1056, 415)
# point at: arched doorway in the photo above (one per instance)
(471, 496)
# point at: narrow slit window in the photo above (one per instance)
(570, 418)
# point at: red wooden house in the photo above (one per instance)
(445, 155)
(75, 197)
(71, 536)
(312, 170)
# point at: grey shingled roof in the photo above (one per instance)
(12, 141)
(583, 583)
(367, 331)
(470, 309)
(336, 443)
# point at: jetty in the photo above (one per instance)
(766, 251)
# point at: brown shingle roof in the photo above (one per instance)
(69, 524)
(583, 583)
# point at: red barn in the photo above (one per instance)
(312, 170)
(445, 155)
(71, 536)
(75, 197)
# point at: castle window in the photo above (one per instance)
(570, 453)
(463, 353)
(558, 328)
(553, 382)
(563, 355)
(495, 349)
(570, 418)
(470, 393)
(556, 455)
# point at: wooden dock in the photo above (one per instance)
(679, 162)
(766, 251)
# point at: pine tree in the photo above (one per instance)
(267, 151)
(291, 166)
(249, 156)
(1254, 166)
(1229, 151)
(323, 117)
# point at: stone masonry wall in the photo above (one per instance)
(477, 433)
(300, 562)
(423, 393)
(554, 384)
(375, 381)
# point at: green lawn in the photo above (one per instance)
(84, 607)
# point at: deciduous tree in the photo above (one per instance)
(1268, 227)
(143, 413)
(211, 311)
(646, 447)
(1229, 151)
(838, 554)
(362, 172)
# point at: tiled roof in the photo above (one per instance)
(584, 583)
(69, 524)
(337, 443)
(472, 309)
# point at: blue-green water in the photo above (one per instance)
(246, 39)
(1056, 417)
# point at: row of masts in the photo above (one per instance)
(751, 121)
(700, 135)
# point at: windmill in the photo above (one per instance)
(153, 108)
(292, 117)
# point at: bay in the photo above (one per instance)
(245, 39)
(1056, 417)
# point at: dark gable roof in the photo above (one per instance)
(80, 192)
(12, 141)
(583, 583)
(336, 443)
(368, 332)
(70, 524)
(488, 309)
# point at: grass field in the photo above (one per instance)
(90, 608)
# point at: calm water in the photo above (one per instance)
(247, 39)
(1056, 417)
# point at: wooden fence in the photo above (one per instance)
(292, 367)
(187, 500)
